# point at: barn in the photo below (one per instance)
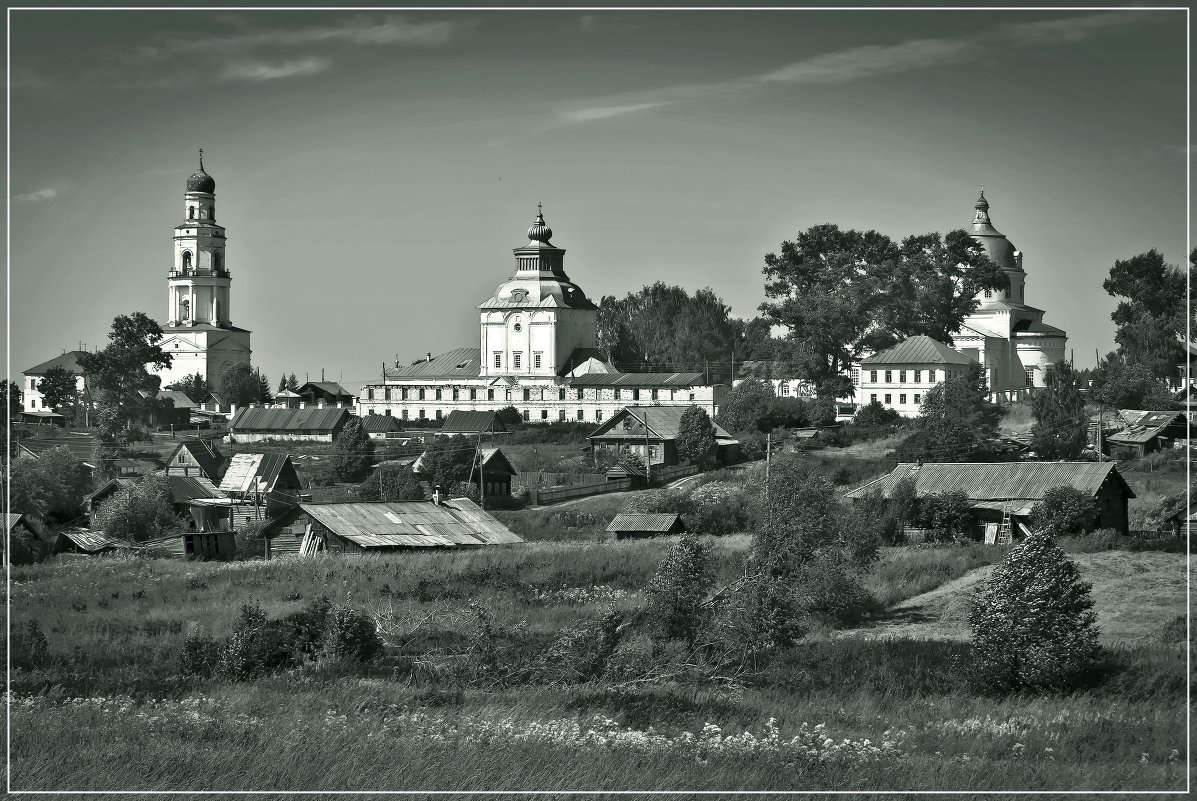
(631, 525)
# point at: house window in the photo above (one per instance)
(438, 393)
(403, 414)
(387, 412)
(387, 393)
(1007, 293)
(182, 458)
(872, 376)
(901, 376)
(579, 414)
(856, 376)
(536, 360)
(889, 376)
(369, 393)
(889, 399)
(635, 394)
(438, 414)
(473, 394)
(617, 391)
(423, 415)
(918, 376)
(654, 394)
(785, 388)
(421, 393)
(527, 394)
(902, 399)
(490, 394)
(456, 393)
(544, 414)
(516, 359)
(403, 393)
(371, 412)
(527, 416)
(498, 359)
(598, 414)
(1030, 377)
(561, 415)
(873, 398)
(579, 396)
(989, 293)
(918, 399)
(931, 376)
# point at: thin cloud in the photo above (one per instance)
(857, 63)
(257, 71)
(36, 197)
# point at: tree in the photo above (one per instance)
(1032, 624)
(194, 387)
(10, 396)
(264, 395)
(352, 450)
(1065, 511)
(58, 388)
(840, 294)
(447, 460)
(391, 483)
(1061, 425)
(139, 512)
(875, 413)
(679, 586)
(292, 383)
(695, 437)
(747, 407)
(282, 382)
(239, 385)
(119, 374)
(1120, 384)
(103, 454)
(956, 422)
(50, 487)
(510, 417)
(1151, 319)
(949, 514)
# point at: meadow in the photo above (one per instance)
(109, 689)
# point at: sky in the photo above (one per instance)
(374, 169)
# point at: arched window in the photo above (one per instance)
(216, 262)
(186, 260)
(184, 309)
(191, 212)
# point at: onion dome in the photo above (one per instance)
(999, 249)
(539, 232)
(200, 181)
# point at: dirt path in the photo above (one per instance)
(940, 614)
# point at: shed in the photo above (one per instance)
(1009, 489)
(468, 423)
(1147, 431)
(218, 546)
(307, 425)
(47, 417)
(629, 525)
(268, 478)
(93, 501)
(17, 537)
(87, 541)
(389, 526)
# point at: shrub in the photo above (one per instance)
(1032, 624)
(29, 646)
(199, 654)
(949, 515)
(138, 512)
(352, 450)
(678, 587)
(832, 590)
(654, 501)
(1066, 511)
(510, 417)
(580, 652)
(351, 634)
(255, 648)
(717, 508)
(874, 413)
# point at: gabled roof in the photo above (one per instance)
(104, 490)
(663, 423)
(1145, 426)
(1034, 327)
(206, 456)
(254, 472)
(917, 350)
(11, 521)
(465, 422)
(495, 461)
(1001, 481)
(294, 420)
(67, 361)
(285, 393)
(327, 388)
(186, 488)
(380, 423)
(592, 359)
(456, 363)
(180, 399)
(80, 446)
(656, 523)
(92, 541)
(412, 524)
(662, 380)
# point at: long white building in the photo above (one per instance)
(537, 351)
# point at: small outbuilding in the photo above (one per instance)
(629, 525)
(264, 479)
(253, 424)
(461, 423)
(394, 526)
(87, 542)
(18, 537)
(382, 426)
(1146, 432)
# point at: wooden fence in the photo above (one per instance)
(661, 476)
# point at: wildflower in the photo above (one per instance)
(1144, 757)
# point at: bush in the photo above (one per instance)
(510, 417)
(717, 508)
(949, 515)
(254, 649)
(873, 414)
(1065, 510)
(832, 591)
(350, 634)
(678, 588)
(654, 501)
(1032, 624)
(30, 648)
(200, 655)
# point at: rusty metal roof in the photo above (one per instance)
(1143, 426)
(999, 481)
(254, 472)
(657, 523)
(92, 541)
(289, 420)
(412, 524)
(663, 423)
(471, 422)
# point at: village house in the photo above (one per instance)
(1003, 493)
(253, 424)
(537, 351)
(496, 472)
(899, 377)
(196, 457)
(1145, 432)
(325, 393)
(86, 542)
(261, 482)
(632, 526)
(286, 399)
(81, 446)
(32, 399)
(650, 432)
(382, 426)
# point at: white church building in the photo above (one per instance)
(198, 332)
(537, 351)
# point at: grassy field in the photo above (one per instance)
(834, 713)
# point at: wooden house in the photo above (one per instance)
(1144, 432)
(631, 525)
(325, 393)
(196, 457)
(650, 432)
(382, 426)
(1004, 492)
(268, 480)
(94, 500)
(471, 424)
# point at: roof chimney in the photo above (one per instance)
(436, 495)
(429, 355)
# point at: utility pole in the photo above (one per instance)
(1100, 415)
(768, 456)
(648, 457)
(481, 476)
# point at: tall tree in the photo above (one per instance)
(956, 422)
(292, 383)
(239, 385)
(352, 450)
(1151, 316)
(696, 437)
(194, 387)
(1122, 384)
(118, 374)
(843, 293)
(139, 512)
(747, 407)
(10, 396)
(391, 483)
(58, 388)
(1061, 425)
(282, 383)
(264, 395)
(447, 461)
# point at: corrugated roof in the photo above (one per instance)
(469, 422)
(11, 520)
(1000, 481)
(493, 459)
(456, 363)
(67, 361)
(206, 456)
(254, 472)
(306, 420)
(659, 523)
(185, 488)
(917, 350)
(1144, 426)
(92, 541)
(81, 447)
(663, 423)
(327, 387)
(637, 380)
(380, 423)
(413, 524)
(180, 399)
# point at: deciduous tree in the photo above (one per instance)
(747, 407)
(1151, 316)
(678, 588)
(194, 387)
(239, 385)
(118, 374)
(1121, 384)
(139, 512)
(58, 388)
(956, 423)
(1066, 511)
(695, 437)
(10, 397)
(447, 460)
(391, 483)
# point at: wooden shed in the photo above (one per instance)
(391, 526)
(87, 542)
(633, 525)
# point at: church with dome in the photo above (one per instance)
(198, 332)
(537, 351)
